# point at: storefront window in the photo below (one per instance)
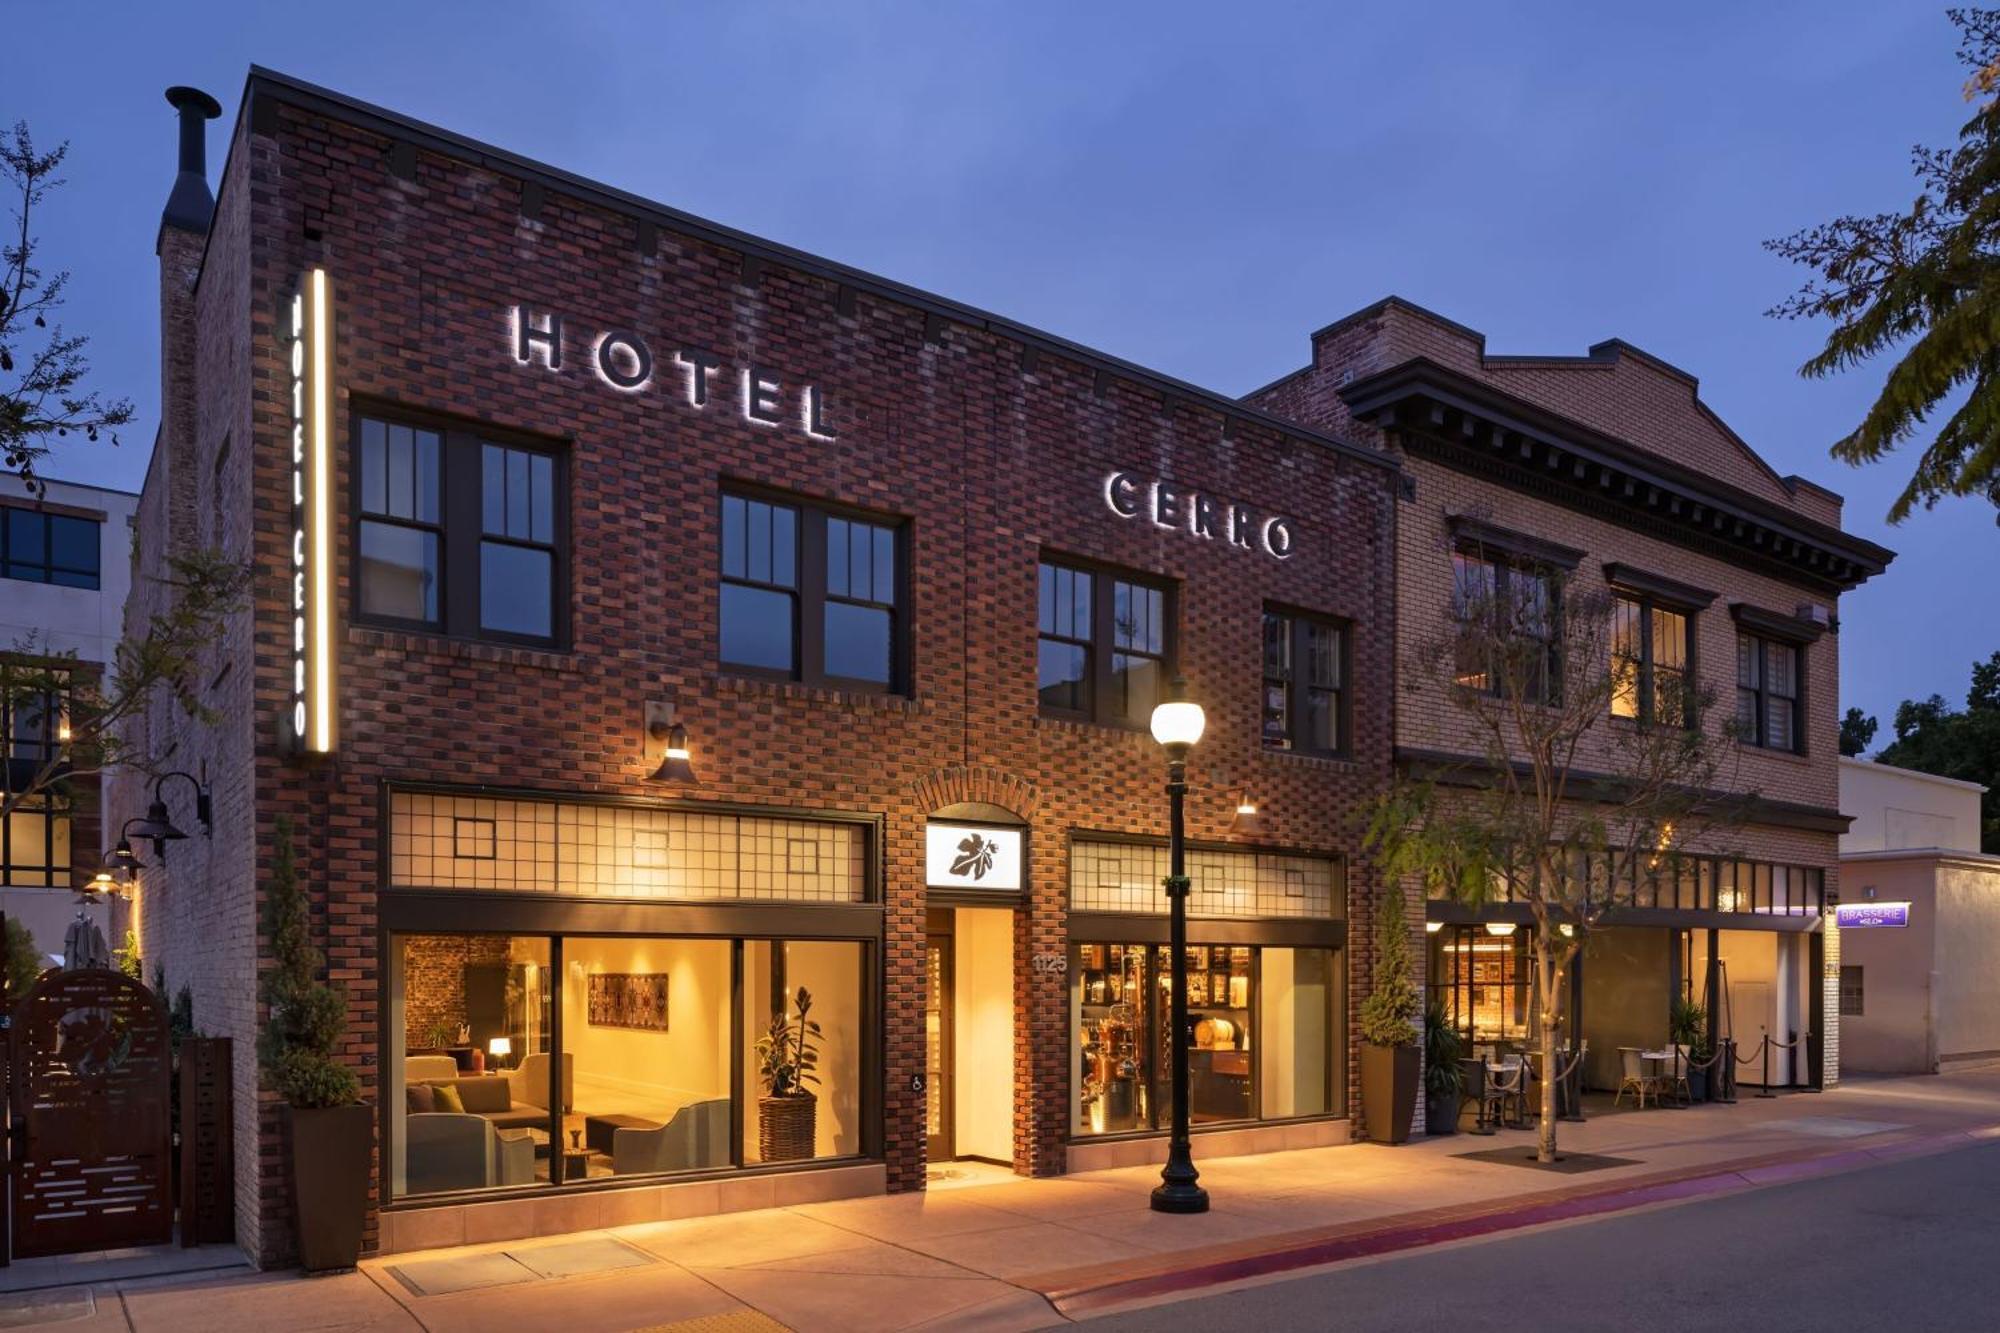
(1261, 1035)
(470, 1069)
(659, 1065)
(1483, 982)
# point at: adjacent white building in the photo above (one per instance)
(65, 571)
(1919, 924)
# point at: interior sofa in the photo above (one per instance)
(697, 1136)
(513, 1099)
(450, 1151)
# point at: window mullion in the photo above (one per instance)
(1103, 636)
(809, 578)
(461, 516)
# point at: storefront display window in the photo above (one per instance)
(1483, 981)
(525, 1061)
(1261, 1035)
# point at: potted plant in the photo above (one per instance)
(330, 1131)
(787, 1064)
(1689, 1025)
(1388, 1029)
(1444, 1081)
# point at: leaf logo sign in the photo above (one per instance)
(975, 856)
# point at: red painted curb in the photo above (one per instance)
(1739, 1178)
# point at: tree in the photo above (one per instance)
(1934, 737)
(1531, 666)
(24, 960)
(42, 368)
(83, 713)
(1923, 283)
(1857, 733)
(307, 1016)
(1388, 1016)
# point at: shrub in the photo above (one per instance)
(1388, 1016)
(307, 1015)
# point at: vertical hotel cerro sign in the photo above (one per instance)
(312, 715)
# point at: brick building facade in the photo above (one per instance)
(476, 297)
(1609, 469)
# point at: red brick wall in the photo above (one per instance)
(989, 464)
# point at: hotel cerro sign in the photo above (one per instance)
(310, 357)
(626, 362)
(1205, 517)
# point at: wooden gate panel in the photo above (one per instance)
(208, 1153)
(90, 1066)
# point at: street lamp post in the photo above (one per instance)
(1177, 725)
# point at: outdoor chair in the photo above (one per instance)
(1472, 1077)
(1502, 1091)
(1632, 1077)
(1675, 1083)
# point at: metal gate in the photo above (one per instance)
(88, 1065)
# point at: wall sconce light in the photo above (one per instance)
(1433, 927)
(159, 826)
(674, 762)
(122, 861)
(1246, 819)
(1568, 931)
(1501, 928)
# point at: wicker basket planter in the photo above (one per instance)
(785, 1127)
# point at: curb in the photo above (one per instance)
(1081, 1296)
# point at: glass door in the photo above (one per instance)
(937, 1049)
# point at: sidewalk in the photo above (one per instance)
(1036, 1253)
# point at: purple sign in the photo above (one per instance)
(1857, 916)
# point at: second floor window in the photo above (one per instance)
(39, 547)
(1305, 670)
(1649, 662)
(1767, 692)
(1103, 644)
(811, 594)
(459, 533)
(31, 722)
(1508, 614)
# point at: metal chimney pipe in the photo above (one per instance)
(190, 205)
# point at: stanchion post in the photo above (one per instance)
(1765, 1048)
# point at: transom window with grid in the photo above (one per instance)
(1767, 692)
(1305, 676)
(1649, 662)
(1104, 643)
(812, 594)
(460, 534)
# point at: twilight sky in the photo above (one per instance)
(1190, 193)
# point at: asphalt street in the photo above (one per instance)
(1912, 1245)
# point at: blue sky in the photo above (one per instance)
(1192, 186)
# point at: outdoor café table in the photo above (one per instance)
(1507, 1072)
(1656, 1067)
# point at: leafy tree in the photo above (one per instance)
(41, 367)
(36, 679)
(1934, 737)
(1564, 809)
(24, 960)
(1922, 283)
(1857, 733)
(307, 1016)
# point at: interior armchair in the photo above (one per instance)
(529, 1084)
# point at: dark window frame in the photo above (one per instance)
(46, 569)
(1648, 604)
(461, 524)
(1103, 645)
(1853, 997)
(1760, 736)
(1297, 687)
(810, 594)
(1507, 565)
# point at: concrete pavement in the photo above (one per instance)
(1013, 1253)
